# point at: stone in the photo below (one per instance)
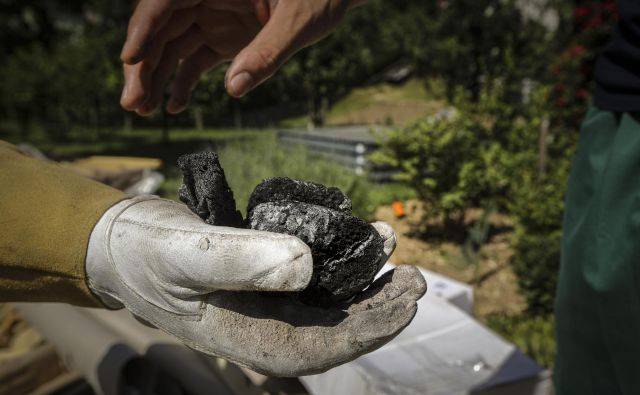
(205, 190)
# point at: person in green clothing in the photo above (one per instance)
(598, 295)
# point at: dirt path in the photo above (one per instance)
(495, 288)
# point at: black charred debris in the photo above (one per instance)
(346, 250)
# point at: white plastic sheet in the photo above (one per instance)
(443, 351)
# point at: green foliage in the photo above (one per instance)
(461, 160)
(537, 206)
(71, 77)
(534, 335)
(247, 164)
(477, 44)
(536, 262)
(433, 156)
(488, 155)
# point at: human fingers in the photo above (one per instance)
(148, 18)
(292, 26)
(405, 282)
(183, 47)
(138, 78)
(133, 92)
(188, 75)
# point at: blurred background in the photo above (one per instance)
(454, 120)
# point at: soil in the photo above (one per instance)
(495, 284)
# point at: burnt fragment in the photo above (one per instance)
(205, 190)
(282, 188)
(345, 249)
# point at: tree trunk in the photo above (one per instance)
(127, 122)
(165, 128)
(542, 148)
(198, 118)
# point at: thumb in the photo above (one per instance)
(250, 260)
(279, 39)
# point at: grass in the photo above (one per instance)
(387, 104)
(250, 161)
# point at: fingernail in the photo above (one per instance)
(240, 84)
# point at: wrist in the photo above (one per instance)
(101, 276)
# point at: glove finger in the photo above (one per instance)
(275, 335)
(389, 240)
(248, 260)
(404, 282)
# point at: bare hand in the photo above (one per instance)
(191, 37)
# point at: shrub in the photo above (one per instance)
(455, 161)
(537, 206)
(534, 335)
(536, 263)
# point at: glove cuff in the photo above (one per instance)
(101, 276)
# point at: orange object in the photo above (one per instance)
(398, 209)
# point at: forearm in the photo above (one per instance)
(46, 215)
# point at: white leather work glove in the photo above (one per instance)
(191, 279)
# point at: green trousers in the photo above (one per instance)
(598, 298)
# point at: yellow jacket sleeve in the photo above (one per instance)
(46, 217)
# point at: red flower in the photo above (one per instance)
(582, 11)
(582, 94)
(578, 50)
(610, 7)
(595, 21)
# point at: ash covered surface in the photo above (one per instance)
(282, 188)
(205, 190)
(345, 249)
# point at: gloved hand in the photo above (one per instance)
(190, 279)
(194, 36)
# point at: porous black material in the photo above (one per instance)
(282, 188)
(205, 190)
(346, 250)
